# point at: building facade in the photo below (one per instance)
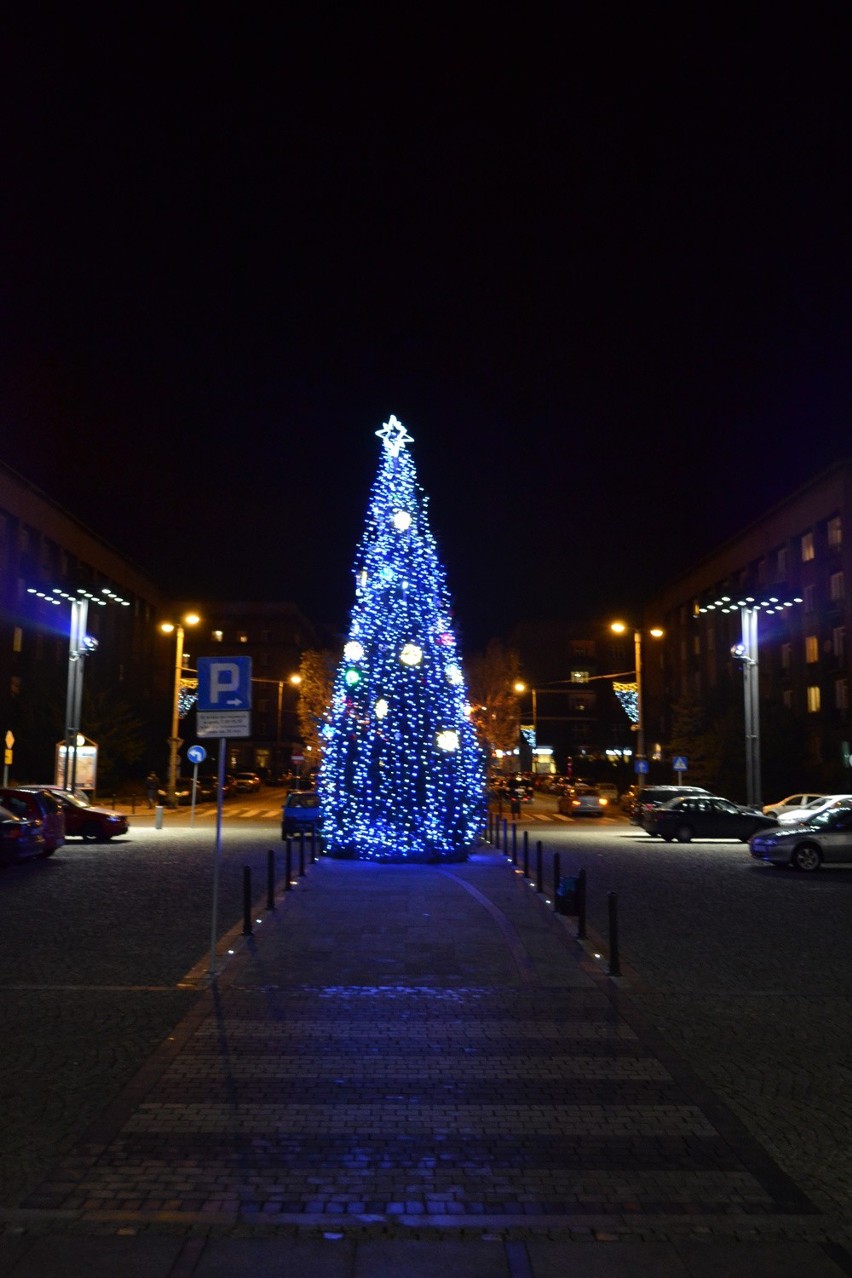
(53, 569)
(791, 570)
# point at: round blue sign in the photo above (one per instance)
(196, 754)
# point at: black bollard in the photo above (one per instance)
(556, 877)
(505, 843)
(301, 853)
(614, 957)
(288, 865)
(526, 854)
(539, 868)
(270, 879)
(313, 845)
(581, 905)
(246, 901)
(514, 845)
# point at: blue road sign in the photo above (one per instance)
(641, 765)
(679, 763)
(224, 683)
(196, 754)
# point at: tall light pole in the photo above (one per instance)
(80, 646)
(169, 627)
(641, 761)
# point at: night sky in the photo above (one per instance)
(599, 267)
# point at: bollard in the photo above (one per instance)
(270, 880)
(301, 853)
(313, 845)
(556, 864)
(514, 845)
(505, 843)
(246, 901)
(581, 905)
(614, 957)
(158, 816)
(288, 865)
(526, 854)
(539, 868)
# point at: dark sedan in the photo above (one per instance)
(700, 816)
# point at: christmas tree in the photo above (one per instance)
(402, 775)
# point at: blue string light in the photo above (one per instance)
(402, 776)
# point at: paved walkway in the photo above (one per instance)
(416, 1070)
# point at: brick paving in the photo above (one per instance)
(425, 1052)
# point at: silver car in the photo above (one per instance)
(824, 837)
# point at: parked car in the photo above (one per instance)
(20, 838)
(608, 791)
(791, 801)
(41, 806)
(820, 804)
(301, 811)
(826, 837)
(83, 819)
(653, 795)
(183, 792)
(247, 782)
(705, 816)
(582, 800)
(208, 788)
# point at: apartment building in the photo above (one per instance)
(792, 568)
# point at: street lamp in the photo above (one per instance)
(169, 627)
(746, 653)
(620, 628)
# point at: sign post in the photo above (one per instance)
(196, 754)
(7, 756)
(224, 710)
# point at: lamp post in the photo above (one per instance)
(641, 762)
(169, 627)
(295, 680)
(80, 646)
(520, 687)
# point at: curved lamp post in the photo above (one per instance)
(169, 627)
(620, 628)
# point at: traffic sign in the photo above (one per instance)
(224, 683)
(224, 697)
(641, 765)
(679, 763)
(196, 754)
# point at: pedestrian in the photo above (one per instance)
(152, 787)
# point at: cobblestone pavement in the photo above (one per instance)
(408, 1055)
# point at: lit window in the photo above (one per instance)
(579, 676)
(811, 648)
(834, 533)
(807, 547)
(17, 639)
(243, 636)
(813, 698)
(835, 587)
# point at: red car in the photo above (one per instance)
(19, 837)
(92, 824)
(40, 806)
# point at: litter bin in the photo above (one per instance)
(566, 896)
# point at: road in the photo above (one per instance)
(744, 969)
